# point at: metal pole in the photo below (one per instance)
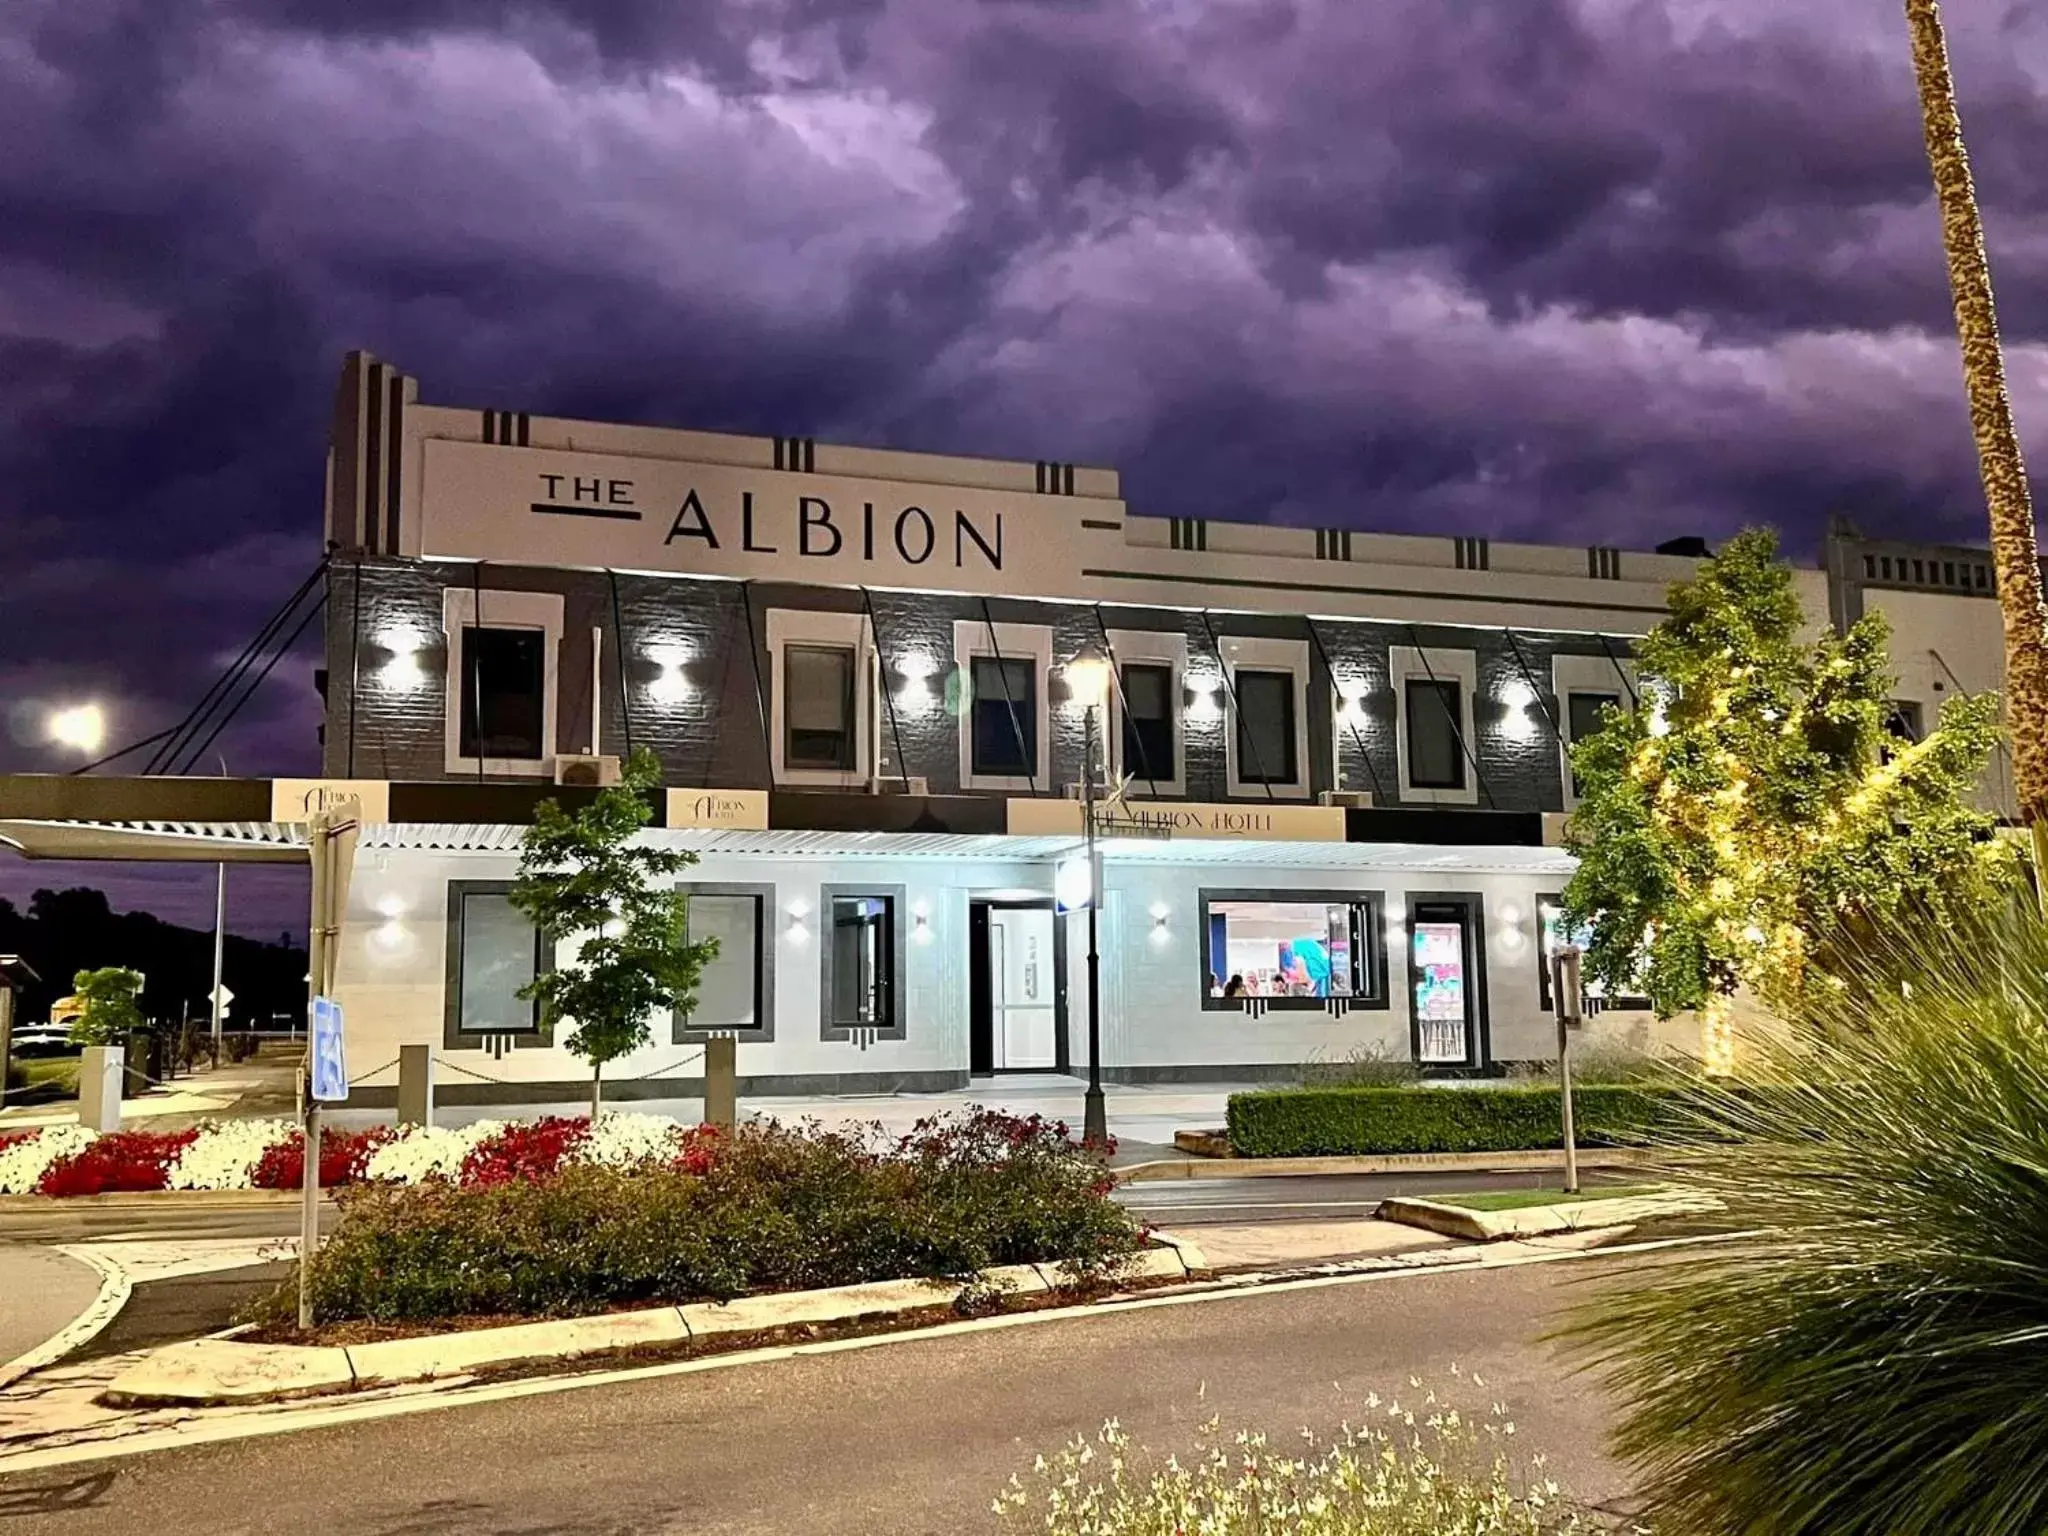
(1565, 996)
(220, 917)
(316, 984)
(1095, 1112)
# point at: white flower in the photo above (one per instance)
(421, 1152)
(624, 1141)
(224, 1155)
(23, 1164)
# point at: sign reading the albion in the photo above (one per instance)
(549, 507)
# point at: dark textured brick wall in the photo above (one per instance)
(714, 735)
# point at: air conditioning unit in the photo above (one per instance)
(1349, 799)
(895, 784)
(587, 771)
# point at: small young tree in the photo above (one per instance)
(109, 1014)
(1757, 812)
(583, 876)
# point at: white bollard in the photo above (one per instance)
(102, 1073)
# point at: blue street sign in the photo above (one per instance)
(330, 1066)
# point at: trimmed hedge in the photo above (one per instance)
(1324, 1122)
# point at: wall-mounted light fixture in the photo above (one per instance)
(1160, 912)
(1204, 691)
(671, 684)
(1519, 705)
(798, 910)
(914, 691)
(921, 923)
(401, 670)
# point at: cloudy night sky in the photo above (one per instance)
(1571, 270)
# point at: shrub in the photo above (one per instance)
(120, 1161)
(1421, 1471)
(768, 1208)
(1310, 1122)
(1867, 1360)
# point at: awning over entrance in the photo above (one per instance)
(262, 821)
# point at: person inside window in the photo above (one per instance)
(1234, 987)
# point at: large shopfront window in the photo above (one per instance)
(1552, 933)
(493, 952)
(1294, 949)
(736, 989)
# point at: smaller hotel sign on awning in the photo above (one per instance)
(730, 810)
(295, 800)
(1186, 820)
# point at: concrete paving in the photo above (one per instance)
(901, 1437)
(41, 1291)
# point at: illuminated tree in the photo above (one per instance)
(1756, 813)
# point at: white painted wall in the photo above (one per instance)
(1943, 644)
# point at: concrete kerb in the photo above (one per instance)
(225, 1370)
(106, 1305)
(1543, 1220)
(1392, 1162)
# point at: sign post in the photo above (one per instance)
(331, 832)
(1566, 997)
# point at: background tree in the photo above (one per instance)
(1757, 812)
(110, 1015)
(584, 877)
(2007, 498)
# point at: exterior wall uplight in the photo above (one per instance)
(671, 684)
(1518, 710)
(401, 670)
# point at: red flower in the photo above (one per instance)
(120, 1161)
(531, 1151)
(342, 1155)
(699, 1149)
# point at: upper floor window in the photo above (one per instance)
(502, 680)
(1436, 755)
(1003, 724)
(1265, 727)
(1267, 744)
(1587, 687)
(1005, 715)
(1146, 726)
(504, 693)
(1433, 689)
(825, 688)
(1148, 711)
(819, 729)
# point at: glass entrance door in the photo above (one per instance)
(1017, 987)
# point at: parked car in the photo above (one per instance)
(44, 1040)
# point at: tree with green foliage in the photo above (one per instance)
(109, 1015)
(1757, 813)
(587, 876)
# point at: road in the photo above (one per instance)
(911, 1436)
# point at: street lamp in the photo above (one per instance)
(1088, 686)
(82, 727)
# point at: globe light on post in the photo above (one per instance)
(1088, 686)
(81, 727)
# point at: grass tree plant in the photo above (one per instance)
(1870, 1357)
(588, 877)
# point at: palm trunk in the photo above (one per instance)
(596, 1089)
(2004, 475)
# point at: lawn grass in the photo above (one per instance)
(58, 1074)
(1523, 1199)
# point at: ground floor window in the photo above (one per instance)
(1297, 949)
(1552, 933)
(735, 991)
(862, 962)
(493, 952)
